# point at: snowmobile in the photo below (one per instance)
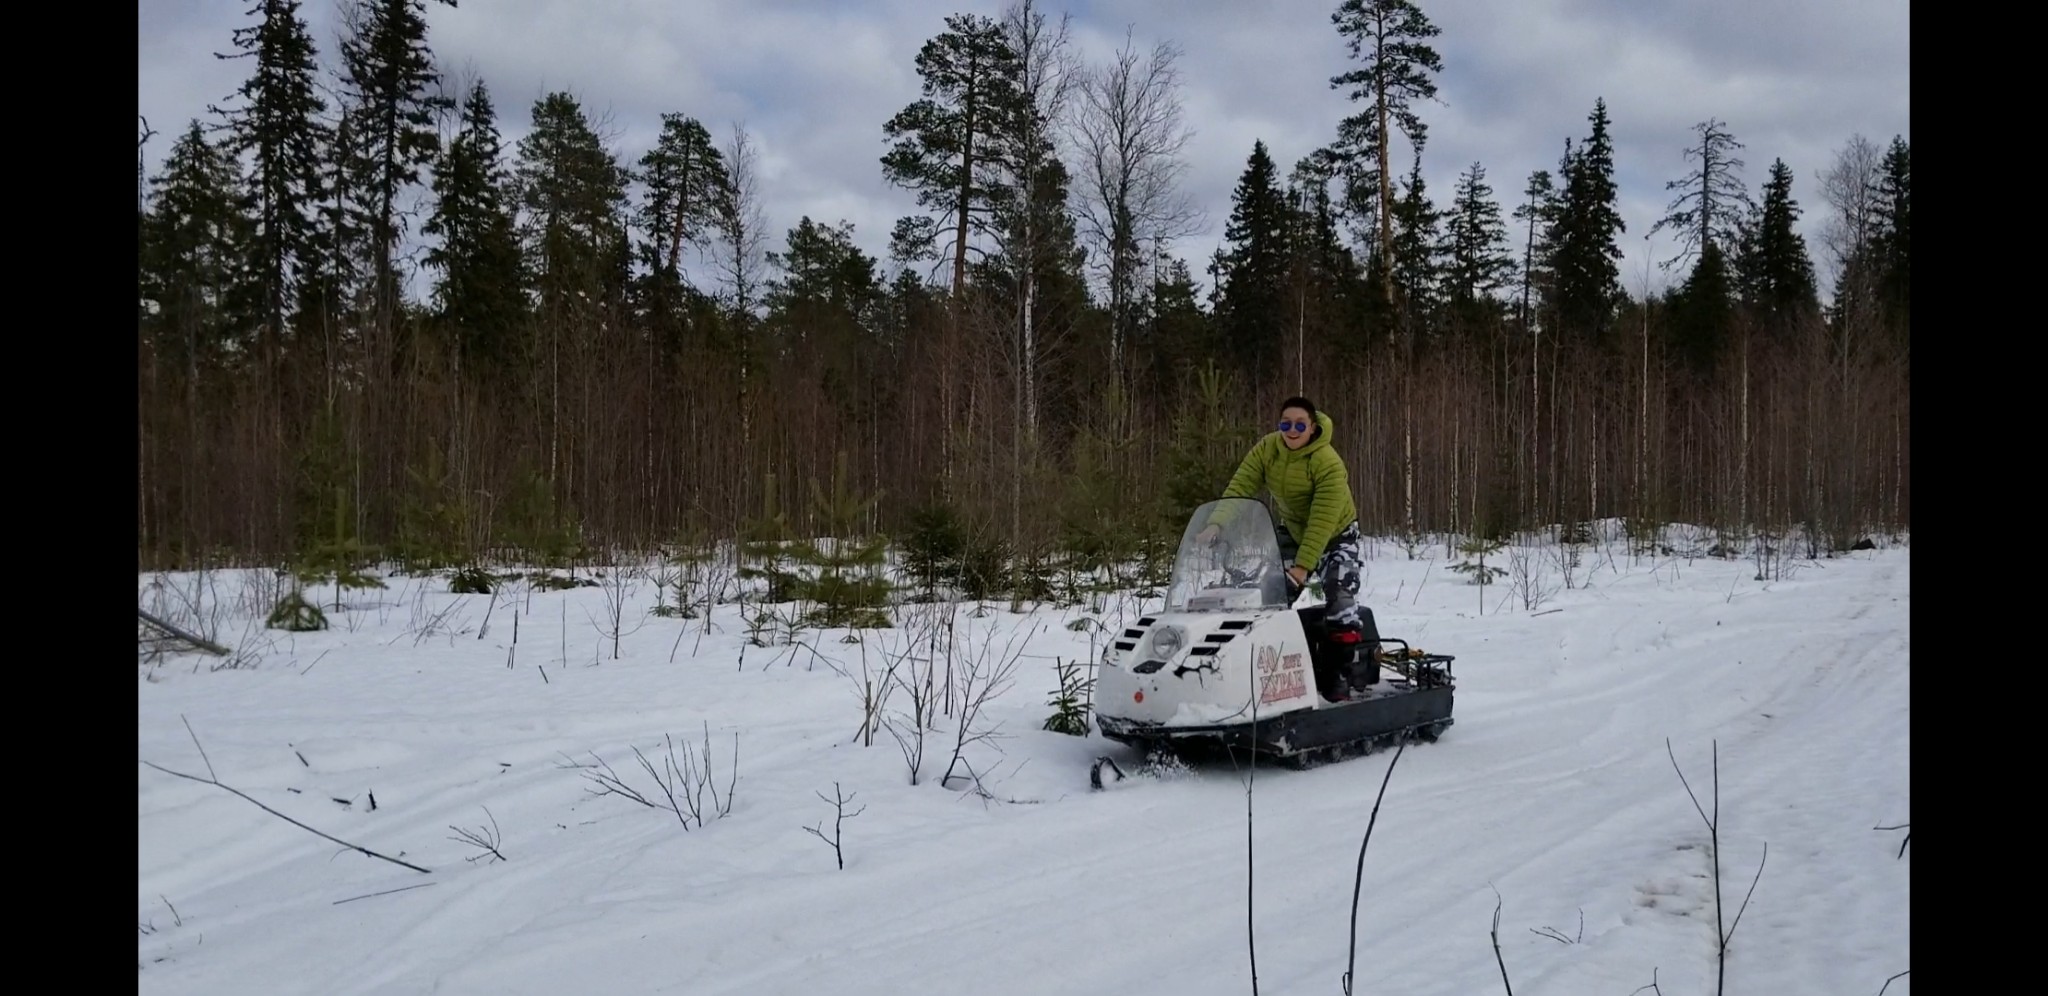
(1232, 666)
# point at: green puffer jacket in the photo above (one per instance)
(1311, 489)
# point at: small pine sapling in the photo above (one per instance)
(1069, 703)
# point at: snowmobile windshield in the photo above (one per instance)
(1236, 569)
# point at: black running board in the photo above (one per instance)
(1382, 714)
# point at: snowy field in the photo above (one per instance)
(1552, 799)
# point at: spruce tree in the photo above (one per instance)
(479, 297)
(194, 239)
(1416, 241)
(1585, 258)
(390, 82)
(1775, 273)
(1894, 239)
(1477, 262)
(278, 129)
(1702, 312)
(1251, 286)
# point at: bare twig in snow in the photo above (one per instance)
(1358, 877)
(839, 807)
(1556, 935)
(1502, 962)
(386, 892)
(1888, 982)
(1653, 986)
(486, 840)
(1902, 843)
(1713, 822)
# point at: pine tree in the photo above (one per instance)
(684, 177)
(942, 142)
(1391, 38)
(1035, 235)
(572, 191)
(823, 311)
(1538, 213)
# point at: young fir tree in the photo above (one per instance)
(766, 542)
(932, 550)
(1098, 533)
(330, 545)
(848, 584)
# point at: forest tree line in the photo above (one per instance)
(612, 351)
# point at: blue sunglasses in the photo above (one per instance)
(1286, 426)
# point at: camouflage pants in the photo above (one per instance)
(1339, 566)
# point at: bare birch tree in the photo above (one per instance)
(1130, 137)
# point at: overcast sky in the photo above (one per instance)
(813, 81)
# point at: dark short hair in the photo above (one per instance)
(1302, 403)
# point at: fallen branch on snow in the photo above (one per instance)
(214, 781)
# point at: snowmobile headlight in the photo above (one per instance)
(1167, 641)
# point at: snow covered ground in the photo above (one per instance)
(1553, 798)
